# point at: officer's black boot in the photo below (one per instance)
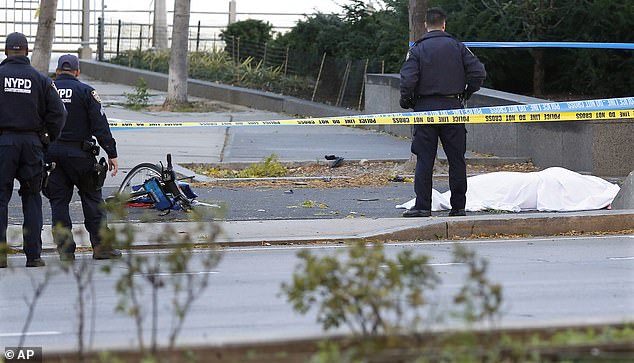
(101, 252)
(37, 262)
(3, 255)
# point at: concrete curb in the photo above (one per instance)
(324, 231)
(538, 224)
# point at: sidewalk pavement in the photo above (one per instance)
(315, 231)
(225, 145)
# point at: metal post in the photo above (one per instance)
(85, 52)
(103, 30)
(264, 56)
(286, 61)
(365, 71)
(140, 37)
(100, 39)
(321, 66)
(198, 36)
(344, 84)
(118, 36)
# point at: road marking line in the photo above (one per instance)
(181, 273)
(33, 333)
(621, 258)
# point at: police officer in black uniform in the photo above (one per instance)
(74, 154)
(438, 74)
(30, 113)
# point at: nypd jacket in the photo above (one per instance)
(28, 100)
(438, 64)
(86, 117)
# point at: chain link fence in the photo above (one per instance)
(338, 82)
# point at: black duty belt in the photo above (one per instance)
(15, 132)
(437, 96)
(68, 143)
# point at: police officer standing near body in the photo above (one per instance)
(439, 73)
(75, 155)
(31, 115)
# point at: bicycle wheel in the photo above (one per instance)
(137, 176)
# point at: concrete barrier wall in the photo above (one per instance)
(596, 147)
(236, 95)
(601, 148)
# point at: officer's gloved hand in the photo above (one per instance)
(469, 90)
(407, 102)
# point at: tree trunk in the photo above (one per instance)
(538, 72)
(41, 56)
(159, 33)
(417, 10)
(177, 79)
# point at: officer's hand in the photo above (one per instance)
(469, 90)
(406, 102)
(113, 165)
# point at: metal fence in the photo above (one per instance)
(334, 81)
(21, 16)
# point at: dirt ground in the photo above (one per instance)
(351, 174)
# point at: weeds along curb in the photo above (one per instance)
(300, 350)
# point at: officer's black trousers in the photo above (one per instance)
(425, 146)
(71, 165)
(21, 157)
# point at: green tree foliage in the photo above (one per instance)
(358, 33)
(369, 292)
(254, 30)
(247, 35)
(577, 71)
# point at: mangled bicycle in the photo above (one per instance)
(157, 185)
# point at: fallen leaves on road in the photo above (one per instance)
(348, 175)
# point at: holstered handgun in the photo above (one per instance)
(45, 138)
(100, 171)
(90, 146)
(48, 168)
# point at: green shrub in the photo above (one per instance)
(140, 97)
(217, 66)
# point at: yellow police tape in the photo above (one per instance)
(411, 118)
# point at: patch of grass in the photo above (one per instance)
(140, 97)
(309, 204)
(268, 168)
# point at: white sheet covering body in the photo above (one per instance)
(552, 189)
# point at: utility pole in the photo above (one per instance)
(232, 12)
(85, 52)
(159, 30)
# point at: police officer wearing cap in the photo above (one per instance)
(31, 114)
(439, 73)
(74, 154)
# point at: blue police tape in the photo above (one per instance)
(584, 45)
(568, 106)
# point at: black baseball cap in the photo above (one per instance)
(16, 41)
(68, 62)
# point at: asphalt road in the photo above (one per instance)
(269, 203)
(545, 281)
